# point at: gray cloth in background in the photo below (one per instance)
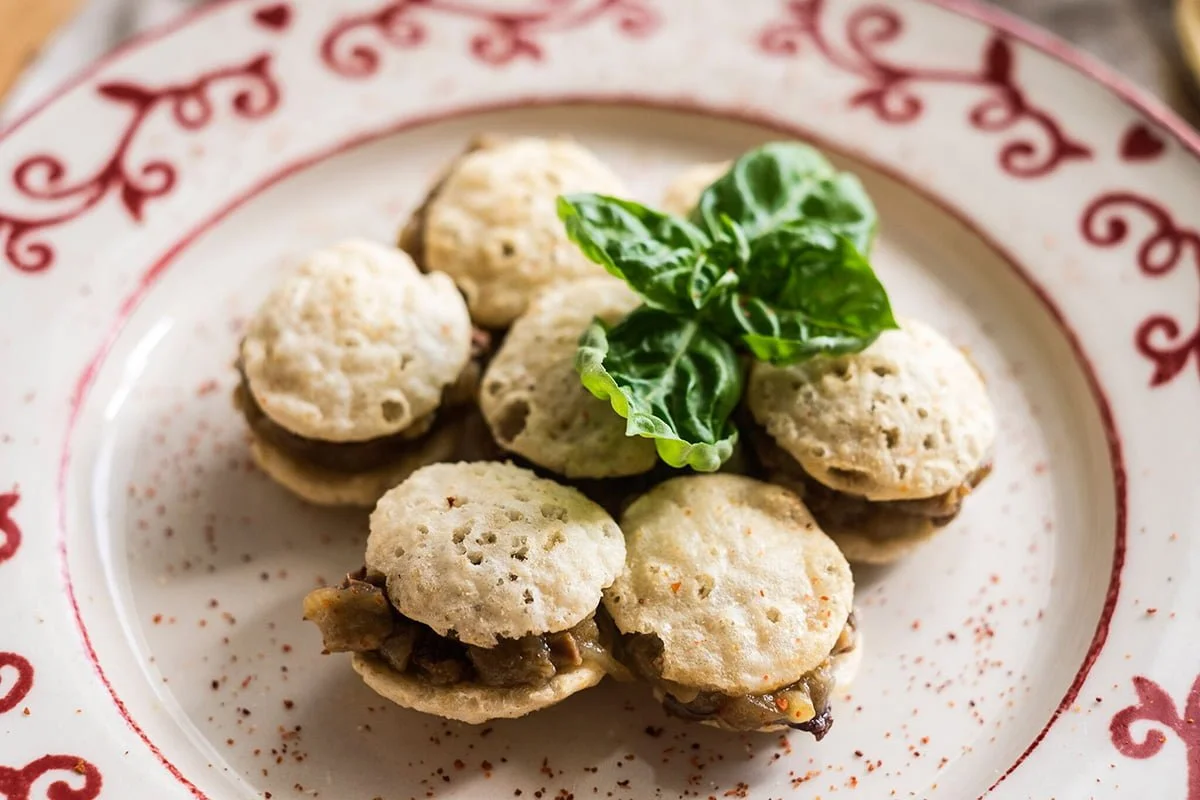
(1135, 36)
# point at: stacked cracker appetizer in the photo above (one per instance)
(526, 540)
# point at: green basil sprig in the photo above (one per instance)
(771, 262)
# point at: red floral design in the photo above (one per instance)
(890, 85)
(1105, 223)
(43, 179)
(11, 539)
(504, 37)
(1156, 706)
(16, 784)
(21, 686)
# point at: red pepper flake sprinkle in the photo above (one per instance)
(781, 703)
(675, 587)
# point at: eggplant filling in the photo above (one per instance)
(352, 457)
(841, 511)
(356, 616)
(801, 705)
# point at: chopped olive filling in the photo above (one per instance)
(356, 616)
(838, 511)
(373, 453)
(802, 705)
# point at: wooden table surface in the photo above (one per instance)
(1135, 36)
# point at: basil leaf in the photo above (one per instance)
(674, 380)
(804, 291)
(782, 182)
(662, 257)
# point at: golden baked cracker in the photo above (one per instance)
(532, 397)
(471, 703)
(735, 578)
(493, 225)
(907, 418)
(355, 344)
(488, 550)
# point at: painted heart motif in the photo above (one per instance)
(1141, 143)
(275, 17)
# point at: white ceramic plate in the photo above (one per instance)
(1034, 207)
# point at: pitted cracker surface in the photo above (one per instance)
(909, 417)
(532, 397)
(355, 344)
(735, 578)
(684, 190)
(493, 225)
(487, 550)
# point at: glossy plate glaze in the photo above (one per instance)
(1035, 208)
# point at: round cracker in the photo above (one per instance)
(355, 344)
(904, 537)
(907, 418)
(532, 397)
(489, 550)
(882, 536)
(683, 192)
(493, 225)
(735, 578)
(471, 703)
(326, 487)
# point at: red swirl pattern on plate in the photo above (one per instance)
(17, 784)
(1106, 223)
(42, 179)
(21, 686)
(10, 534)
(505, 35)
(890, 85)
(1156, 706)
